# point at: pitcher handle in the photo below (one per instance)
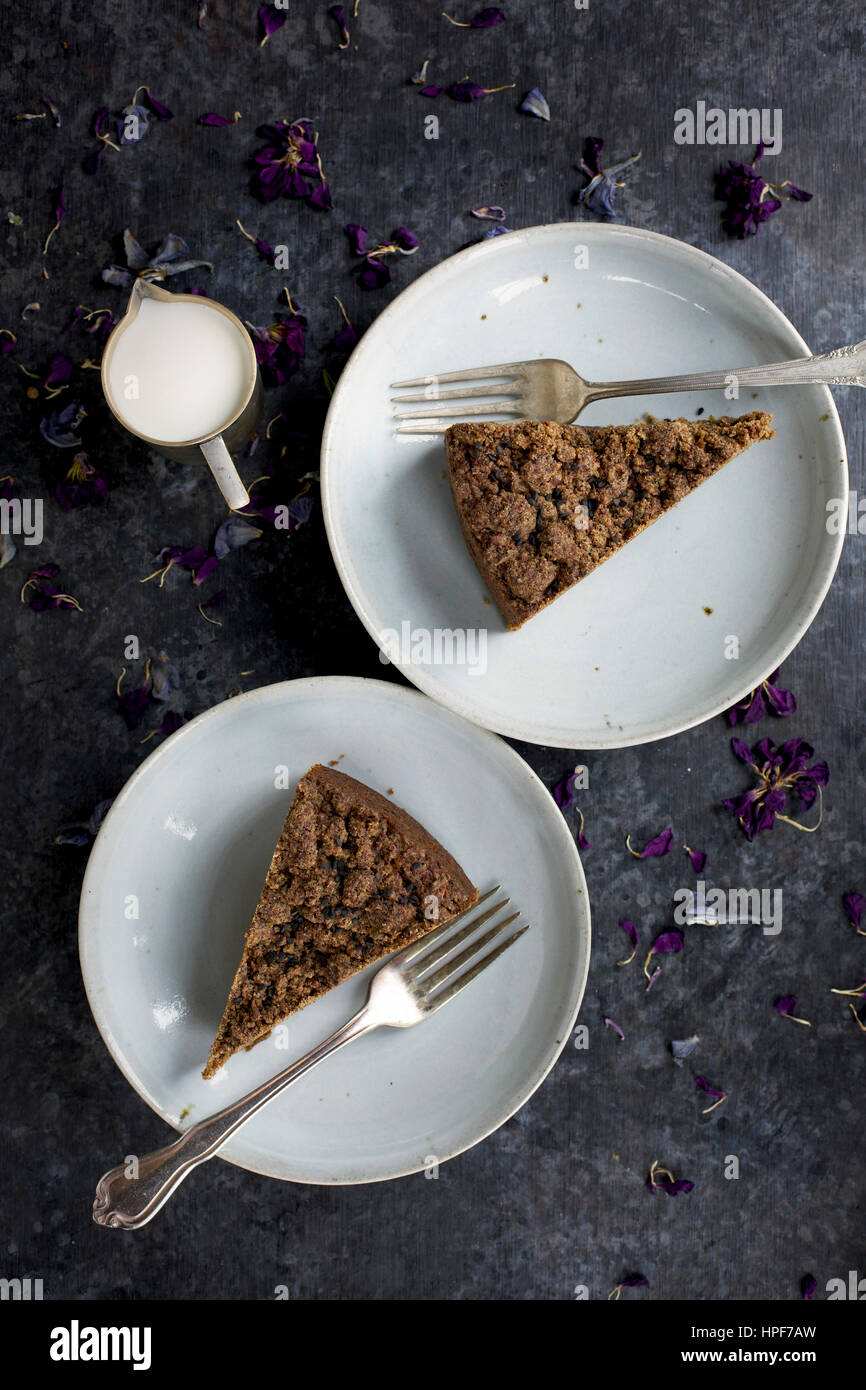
(227, 477)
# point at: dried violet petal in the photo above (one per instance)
(753, 708)
(212, 118)
(338, 15)
(271, 19)
(698, 858)
(232, 534)
(683, 1047)
(704, 1085)
(484, 19)
(609, 1023)
(346, 337)
(464, 90)
(657, 847)
(786, 1006)
(82, 833)
(631, 1281)
(666, 943)
(854, 903)
(60, 210)
(60, 427)
(631, 932)
(489, 214)
(43, 593)
(808, 1287)
(600, 191)
(534, 104)
(663, 1178)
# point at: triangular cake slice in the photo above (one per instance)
(352, 878)
(542, 505)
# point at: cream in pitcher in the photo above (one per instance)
(180, 371)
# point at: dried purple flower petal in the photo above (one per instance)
(631, 932)
(420, 77)
(59, 373)
(632, 1281)
(704, 1085)
(484, 19)
(683, 1047)
(609, 1023)
(44, 593)
(666, 943)
(657, 847)
(357, 238)
(534, 104)
(60, 427)
(599, 192)
(464, 90)
(271, 19)
(212, 118)
(60, 210)
(431, 90)
(786, 1006)
(782, 770)
(490, 214)
(753, 708)
(266, 252)
(232, 534)
(698, 858)
(808, 1287)
(83, 485)
(338, 14)
(171, 721)
(854, 903)
(346, 338)
(83, 833)
(663, 1178)
(164, 676)
(55, 114)
(8, 341)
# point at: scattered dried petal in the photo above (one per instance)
(655, 849)
(534, 104)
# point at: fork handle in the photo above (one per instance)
(130, 1202)
(844, 366)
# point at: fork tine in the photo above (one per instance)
(481, 373)
(451, 967)
(505, 389)
(442, 998)
(443, 946)
(458, 410)
(410, 952)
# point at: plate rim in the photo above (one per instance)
(93, 980)
(554, 735)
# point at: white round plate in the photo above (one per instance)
(173, 880)
(640, 648)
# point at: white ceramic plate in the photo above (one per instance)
(630, 654)
(187, 844)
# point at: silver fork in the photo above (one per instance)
(549, 389)
(402, 993)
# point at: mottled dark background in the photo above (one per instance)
(556, 1198)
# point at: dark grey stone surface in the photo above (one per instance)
(557, 1197)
